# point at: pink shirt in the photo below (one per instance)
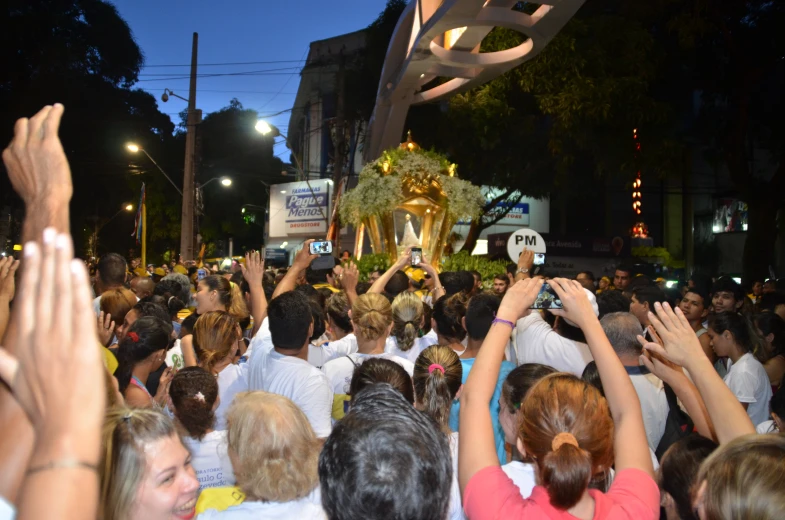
(491, 494)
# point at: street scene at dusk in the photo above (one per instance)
(392, 259)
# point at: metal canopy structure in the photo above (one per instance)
(441, 38)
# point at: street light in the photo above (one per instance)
(129, 207)
(225, 181)
(136, 148)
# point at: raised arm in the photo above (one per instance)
(349, 278)
(403, 260)
(673, 375)
(438, 288)
(8, 267)
(525, 264)
(629, 443)
(253, 272)
(475, 418)
(682, 347)
(63, 398)
(300, 264)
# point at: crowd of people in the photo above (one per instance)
(307, 393)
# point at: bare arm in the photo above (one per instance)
(525, 262)
(475, 418)
(253, 271)
(189, 354)
(629, 433)
(300, 264)
(379, 285)
(438, 289)
(349, 278)
(682, 347)
(8, 267)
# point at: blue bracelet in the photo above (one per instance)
(499, 320)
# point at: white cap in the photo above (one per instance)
(593, 301)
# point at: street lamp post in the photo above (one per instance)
(136, 148)
(97, 229)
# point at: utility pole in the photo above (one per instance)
(339, 142)
(187, 229)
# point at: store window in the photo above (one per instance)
(730, 216)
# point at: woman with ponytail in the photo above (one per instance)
(193, 398)
(142, 352)
(216, 339)
(567, 428)
(437, 382)
(405, 340)
(216, 293)
(735, 337)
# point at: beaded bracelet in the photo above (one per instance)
(499, 320)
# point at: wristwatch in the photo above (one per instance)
(522, 270)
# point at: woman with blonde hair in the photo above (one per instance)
(215, 293)
(437, 382)
(405, 340)
(146, 471)
(275, 455)
(743, 479)
(216, 339)
(372, 320)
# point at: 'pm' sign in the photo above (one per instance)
(527, 238)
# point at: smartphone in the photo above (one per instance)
(539, 258)
(321, 247)
(547, 299)
(201, 274)
(416, 256)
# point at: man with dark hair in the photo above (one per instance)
(110, 275)
(385, 458)
(586, 279)
(511, 269)
(695, 307)
(321, 278)
(726, 295)
(622, 277)
(398, 283)
(142, 286)
(643, 300)
(375, 275)
(480, 313)
(452, 281)
(612, 301)
(279, 363)
(500, 285)
(622, 330)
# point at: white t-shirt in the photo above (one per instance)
(536, 342)
(339, 371)
(748, 381)
(654, 403)
(232, 380)
(210, 460)
(420, 344)
(307, 508)
(522, 475)
(767, 427)
(7, 510)
(291, 377)
(455, 510)
(318, 356)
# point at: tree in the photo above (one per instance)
(231, 147)
(81, 53)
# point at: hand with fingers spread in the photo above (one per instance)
(105, 328)
(577, 307)
(518, 299)
(35, 160)
(679, 342)
(405, 259)
(8, 267)
(253, 269)
(59, 384)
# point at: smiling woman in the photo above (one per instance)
(146, 471)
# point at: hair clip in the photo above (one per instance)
(127, 417)
(199, 396)
(134, 336)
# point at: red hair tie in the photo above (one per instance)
(134, 336)
(435, 366)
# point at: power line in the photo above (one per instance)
(227, 63)
(235, 91)
(282, 86)
(238, 73)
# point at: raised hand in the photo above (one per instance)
(106, 328)
(577, 307)
(666, 370)
(304, 257)
(526, 259)
(405, 258)
(518, 299)
(349, 278)
(680, 344)
(57, 374)
(35, 160)
(253, 269)
(8, 267)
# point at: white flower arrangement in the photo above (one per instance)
(381, 186)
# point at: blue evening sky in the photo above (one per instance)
(236, 32)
